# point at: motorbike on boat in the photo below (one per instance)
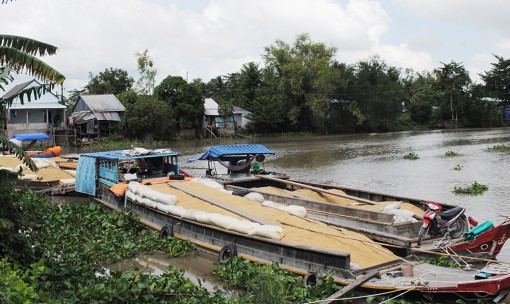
(437, 222)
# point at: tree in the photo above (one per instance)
(111, 81)
(376, 88)
(453, 84)
(185, 99)
(17, 54)
(497, 80)
(147, 72)
(149, 118)
(301, 77)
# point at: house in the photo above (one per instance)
(213, 119)
(96, 115)
(36, 116)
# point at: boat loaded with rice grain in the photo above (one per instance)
(392, 220)
(149, 183)
(51, 177)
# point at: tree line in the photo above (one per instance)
(301, 87)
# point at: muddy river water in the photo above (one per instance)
(375, 162)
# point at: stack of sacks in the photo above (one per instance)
(44, 163)
(234, 224)
(399, 215)
(290, 209)
(146, 196)
(211, 184)
(67, 181)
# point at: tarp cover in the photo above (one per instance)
(225, 152)
(30, 136)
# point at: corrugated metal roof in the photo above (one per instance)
(103, 103)
(109, 116)
(17, 88)
(119, 154)
(31, 105)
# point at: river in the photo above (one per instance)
(376, 162)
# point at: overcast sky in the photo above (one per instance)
(208, 38)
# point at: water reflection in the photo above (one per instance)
(198, 267)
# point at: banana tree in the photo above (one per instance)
(18, 54)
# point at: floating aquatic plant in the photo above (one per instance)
(451, 153)
(411, 155)
(457, 167)
(474, 189)
(499, 148)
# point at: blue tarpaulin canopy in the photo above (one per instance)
(227, 153)
(30, 136)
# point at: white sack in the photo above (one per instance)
(255, 197)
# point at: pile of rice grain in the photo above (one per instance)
(48, 174)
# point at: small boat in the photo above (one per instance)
(148, 183)
(50, 178)
(359, 210)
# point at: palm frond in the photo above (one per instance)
(25, 62)
(28, 93)
(5, 76)
(18, 152)
(27, 45)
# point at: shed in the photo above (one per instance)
(37, 116)
(213, 119)
(97, 114)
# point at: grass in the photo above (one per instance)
(474, 189)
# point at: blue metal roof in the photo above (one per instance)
(222, 152)
(119, 155)
(30, 136)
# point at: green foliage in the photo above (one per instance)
(185, 99)
(453, 81)
(149, 118)
(411, 156)
(22, 214)
(300, 78)
(270, 284)
(474, 189)
(444, 261)
(20, 285)
(421, 112)
(148, 72)
(499, 148)
(76, 241)
(110, 81)
(497, 79)
(451, 153)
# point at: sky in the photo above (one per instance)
(209, 38)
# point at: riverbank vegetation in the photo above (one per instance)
(301, 87)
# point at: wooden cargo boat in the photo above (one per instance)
(357, 209)
(354, 259)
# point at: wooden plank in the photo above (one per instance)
(221, 205)
(319, 189)
(350, 287)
